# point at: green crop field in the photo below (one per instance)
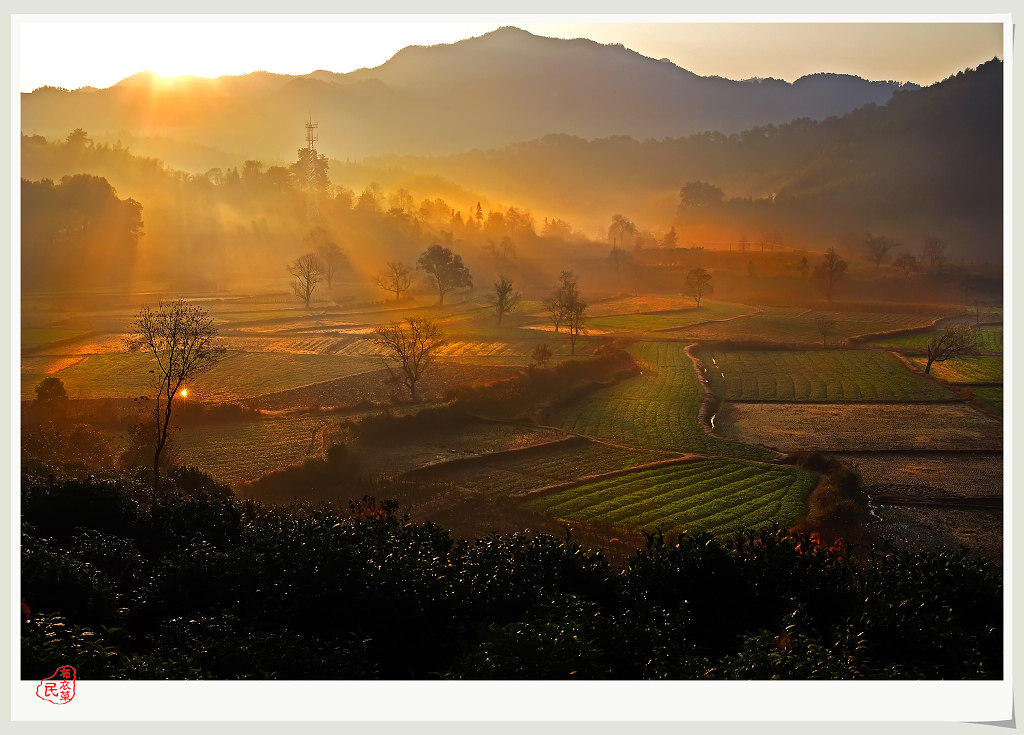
(244, 450)
(720, 497)
(816, 376)
(989, 395)
(711, 310)
(966, 369)
(238, 375)
(800, 326)
(654, 410)
(990, 339)
(37, 336)
(506, 474)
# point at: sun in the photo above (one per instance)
(184, 393)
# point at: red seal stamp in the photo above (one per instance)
(59, 688)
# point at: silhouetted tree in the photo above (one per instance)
(934, 254)
(307, 272)
(955, 341)
(620, 229)
(830, 270)
(698, 284)
(877, 248)
(396, 278)
(181, 337)
(411, 345)
(78, 138)
(504, 299)
(671, 239)
(331, 256)
(564, 294)
(310, 171)
(541, 354)
(699, 195)
(444, 270)
(52, 398)
(575, 317)
(906, 263)
(826, 327)
(803, 266)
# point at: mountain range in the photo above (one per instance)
(490, 91)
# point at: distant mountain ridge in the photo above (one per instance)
(489, 91)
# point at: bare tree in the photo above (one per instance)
(955, 341)
(396, 278)
(181, 338)
(541, 354)
(411, 345)
(906, 263)
(934, 253)
(332, 257)
(830, 271)
(564, 293)
(698, 284)
(575, 310)
(877, 248)
(620, 229)
(826, 327)
(504, 299)
(308, 271)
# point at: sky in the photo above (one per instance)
(73, 52)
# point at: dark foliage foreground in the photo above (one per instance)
(200, 585)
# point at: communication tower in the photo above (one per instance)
(312, 210)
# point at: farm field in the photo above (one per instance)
(377, 386)
(667, 320)
(923, 475)
(816, 376)
(855, 427)
(472, 440)
(787, 325)
(238, 375)
(654, 410)
(990, 339)
(920, 491)
(541, 466)
(240, 451)
(984, 369)
(717, 496)
(37, 336)
(648, 303)
(989, 396)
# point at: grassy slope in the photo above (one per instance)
(654, 410)
(834, 375)
(721, 497)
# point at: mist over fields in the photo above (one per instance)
(513, 358)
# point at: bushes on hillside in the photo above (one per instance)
(536, 390)
(200, 585)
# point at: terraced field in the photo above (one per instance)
(990, 396)
(677, 319)
(799, 326)
(984, 369)
(238, 375)
(245, 450)
(654, 410)
(990, 339)
(720, 497)
(816, 376)
(36, 336)
(539, 467)
(861, 427)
